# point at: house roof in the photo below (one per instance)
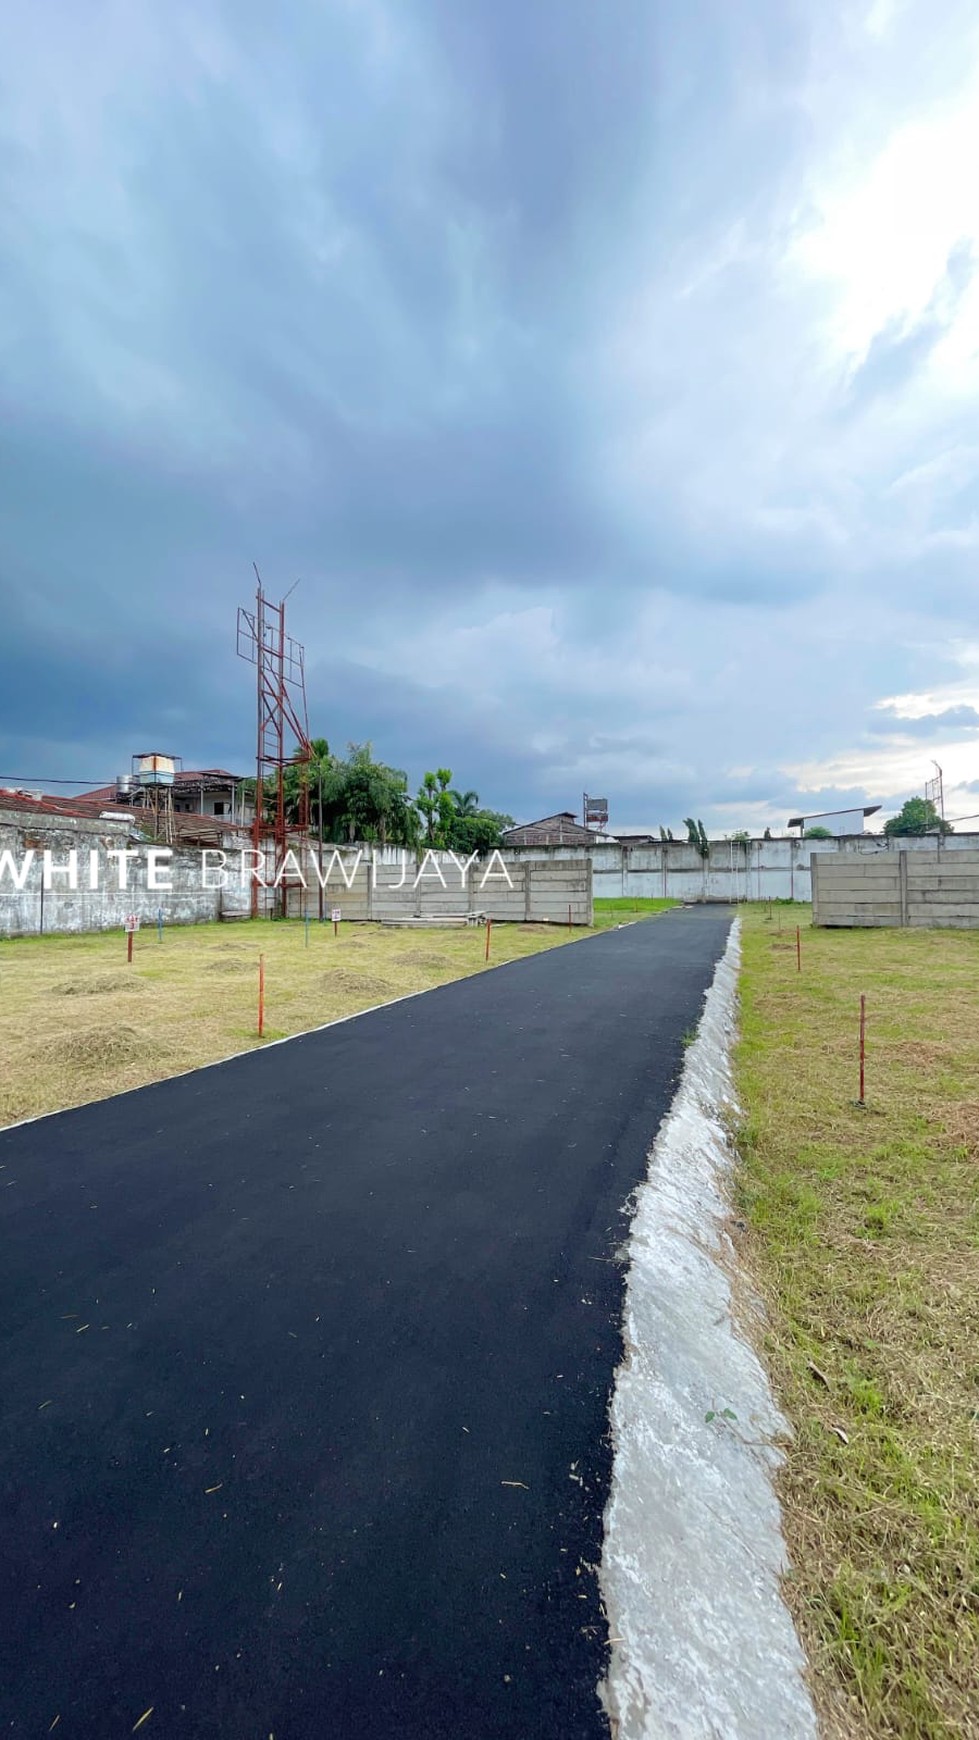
(820, 815)
(559, 830)
(44, 804)
(188, 830)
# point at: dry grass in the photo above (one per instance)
(77, 1023)
(863, 1238)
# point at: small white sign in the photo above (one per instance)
(336, 915)
(132, 921)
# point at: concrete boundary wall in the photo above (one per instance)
(366, 883)
(936, 889)
(33, 910)
(734, 871)
(390, 886)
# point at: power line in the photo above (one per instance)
(40, 779)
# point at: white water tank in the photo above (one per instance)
(154, 769)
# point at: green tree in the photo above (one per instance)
(362, 799)
(466, 803)
(917, 816)
(742, 837)
(436, 807)
(481, 832)
(817, 833)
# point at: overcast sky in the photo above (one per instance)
(606, 373)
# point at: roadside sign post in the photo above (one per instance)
(132, 926)
(336, 916)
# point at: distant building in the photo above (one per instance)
(561, 830)
(209, 791)
(837, 822)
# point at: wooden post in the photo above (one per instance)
(261, 995)
(863, 1045)
(798, 949)
(129, 947)
(489, 927)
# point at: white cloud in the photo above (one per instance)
(881, 232)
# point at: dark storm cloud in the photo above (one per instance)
(476, 318)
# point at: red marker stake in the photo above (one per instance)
(489, 927)
(798, 949)
(129, 947)
(863, 1046)
(261, 995)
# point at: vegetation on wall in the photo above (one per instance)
(696, 836)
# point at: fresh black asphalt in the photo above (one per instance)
(305, 1362)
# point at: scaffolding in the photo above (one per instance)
(282, 716)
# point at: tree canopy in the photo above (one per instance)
(917, 816)
(363, 799)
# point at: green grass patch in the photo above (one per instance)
(609, 913)
(862, 1239)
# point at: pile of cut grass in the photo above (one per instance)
(862, 1234)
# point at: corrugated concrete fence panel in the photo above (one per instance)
(943, 891)
(851, 892)
(935, 890)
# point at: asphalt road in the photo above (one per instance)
(305, 1362)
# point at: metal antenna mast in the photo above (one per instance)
(935, 791)
(281, 695)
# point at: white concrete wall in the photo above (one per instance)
(384, 882)
(34, 910)
(761, 870)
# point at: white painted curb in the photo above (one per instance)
(702, 1642)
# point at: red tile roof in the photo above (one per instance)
(11, 798)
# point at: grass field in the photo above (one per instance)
(77, 1023)
(612, 912)
(862, 1234)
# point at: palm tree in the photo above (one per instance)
(466, 802)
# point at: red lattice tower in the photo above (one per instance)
(282, 717)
